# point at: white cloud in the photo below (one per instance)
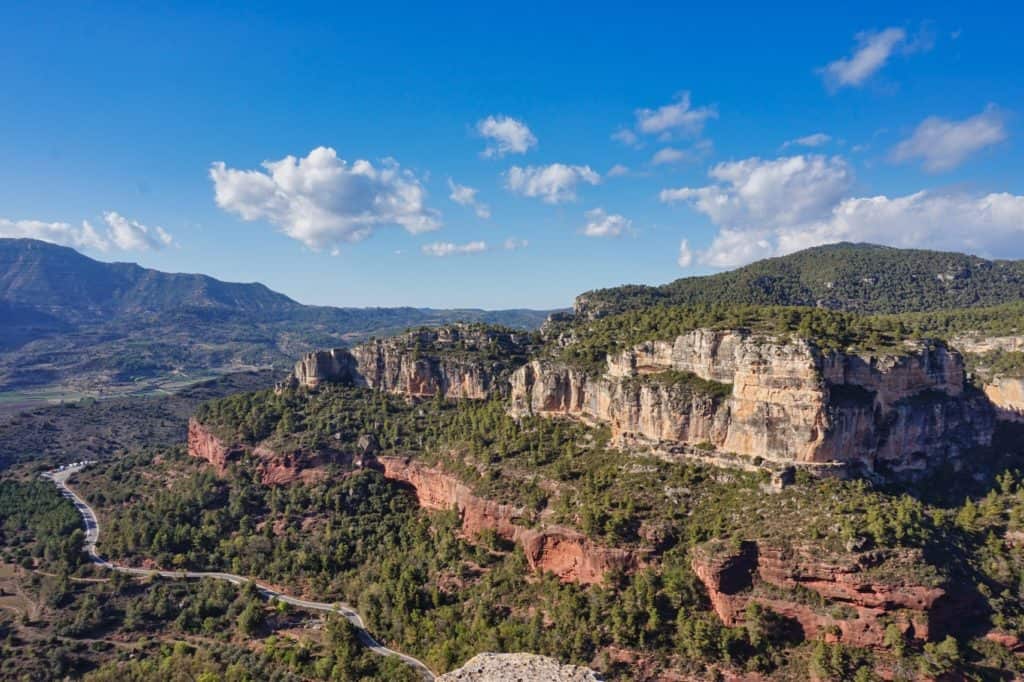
(601, 224)
(506, 135)
(766, 208)
(553, 184)
(618, 170)
(131, 235)
(814, 140)
(82, 236)
(685, 258)
(450, 248)
(669, 155)
(627, 137)
(780, 191)
(121, 233)
(942, 144)
(322, 200)
(466, 196)
(873, 51)
(677, 117)
(511, 244)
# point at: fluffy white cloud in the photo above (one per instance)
(131, 235)
(765, 208)
(121, 233)
(466, 196)
(552, 184)
(873, 50)
(776, 192)
(678, 117)
(450, 248)
(506, 135)
(618, 170)
(814, 140)
(685, 258)
(942, 144)
(601, 224)
(511, 244)
(322, 200)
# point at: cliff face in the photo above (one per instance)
(782, 400)
(1005, 392)
(850, 597)
(456, 362)
(274, 468)
(202, 443)
(566, 553)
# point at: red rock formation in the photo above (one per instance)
(274, 468)
(568, 554)
(204, 444)
(858, 602)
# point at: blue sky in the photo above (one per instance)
(116, 114)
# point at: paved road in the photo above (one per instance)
(92, 536)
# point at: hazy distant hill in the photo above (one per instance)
(76, 322)
(856, 277)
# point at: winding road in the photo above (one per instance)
(92, 535)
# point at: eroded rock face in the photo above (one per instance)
(858, 602)
(456, 362)
(780, 399)
(202, 443)
(1005, 392)
(568, 554)
(489, 667)
(274, 468)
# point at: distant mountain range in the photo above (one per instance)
(856, 277)
(80, 324)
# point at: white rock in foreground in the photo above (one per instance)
(518, 668)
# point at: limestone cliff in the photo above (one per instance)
(781, 399)
(847, 595)
(459, 361)
(1004, 390)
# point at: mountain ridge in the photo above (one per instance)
(866, 278)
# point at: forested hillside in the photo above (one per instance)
(855, 277)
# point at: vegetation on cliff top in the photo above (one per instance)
(589, 342)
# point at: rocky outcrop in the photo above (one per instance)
(1007, 395)
(777, 398)
(565, 552)
(274, 468)
(204, 444)
(489, 667)
(460, 361)
(851, 596)
(1005, 391)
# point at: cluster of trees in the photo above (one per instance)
(38, 525)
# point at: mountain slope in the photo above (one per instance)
(857, 277)
(77, 323)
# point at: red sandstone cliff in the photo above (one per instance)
(565, 552)
(856, 599)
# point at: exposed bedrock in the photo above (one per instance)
(780, 399)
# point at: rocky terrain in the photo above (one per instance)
(851, 601)
(517, 668)
(460, 361)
